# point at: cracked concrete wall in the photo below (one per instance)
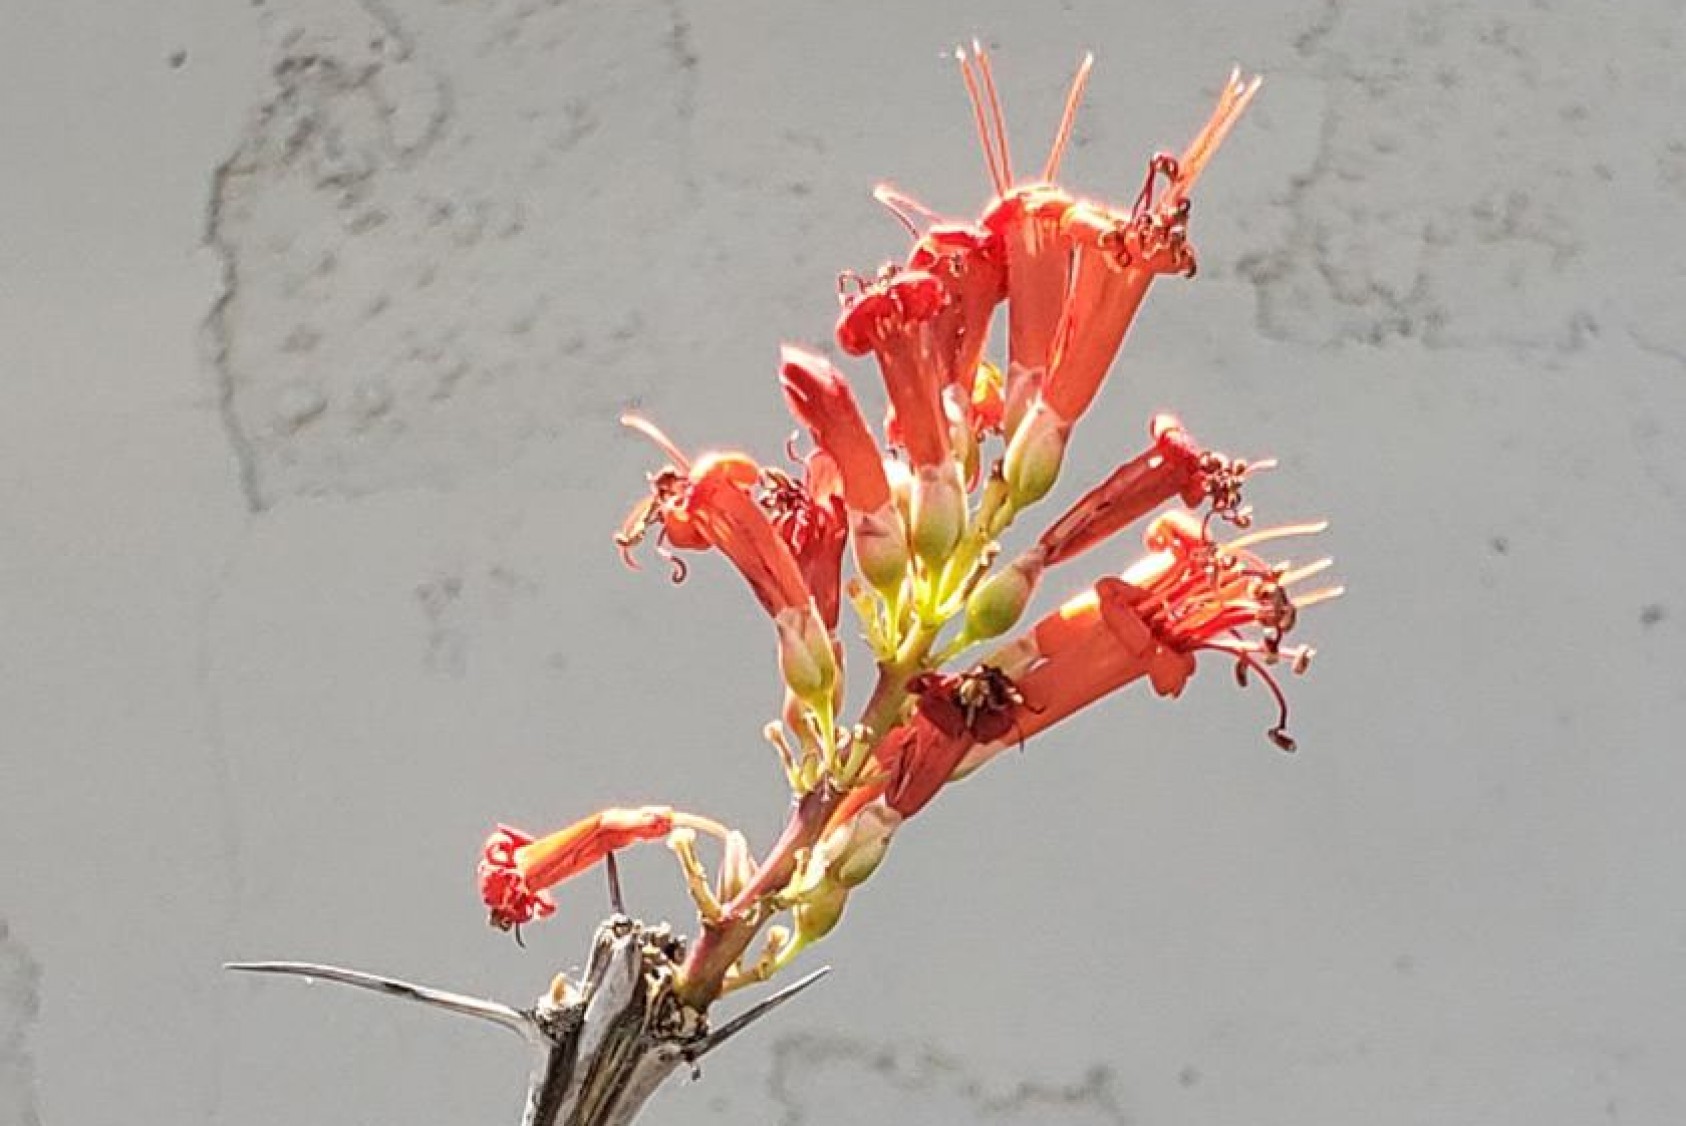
(318, 314)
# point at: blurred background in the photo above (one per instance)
(316, 319)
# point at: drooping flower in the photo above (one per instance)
(712, 504)
(516, 871)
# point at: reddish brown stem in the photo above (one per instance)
(723, 941)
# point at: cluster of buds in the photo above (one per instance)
(922, 519)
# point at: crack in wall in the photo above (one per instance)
(390, 313)
(1428, 209)
(909, 1076)
(20, 1008)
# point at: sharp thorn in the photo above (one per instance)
(750, 1015)
(499, 1014)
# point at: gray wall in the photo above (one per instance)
(317, 315)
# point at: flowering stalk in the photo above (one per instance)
(920, 517)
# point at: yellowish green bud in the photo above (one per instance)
(818, 912)
(852, 852)
(1034, 456)
(880, 544)
(937, 513)
(1000, 600)
(806, 659)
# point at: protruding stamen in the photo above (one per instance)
(1324, 594)
(1068, 119)
(995, 115)
(980, 117)
(1266, 535)
(1161, 164)
(904, 207)
(1299, 574)
(1231, 104)
(651, 431)
(679, 568)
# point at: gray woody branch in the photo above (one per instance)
(602, 1048)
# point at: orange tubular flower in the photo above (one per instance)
(895, 318)
(810, 518)
(710, 504)
(1191, 594)
(1118, 256)
(515, 870)
(1027, 220)
(821, 399)
(972, 269)
(1174, 467)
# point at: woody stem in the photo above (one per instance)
(724, 940)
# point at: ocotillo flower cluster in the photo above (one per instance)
(969, 445)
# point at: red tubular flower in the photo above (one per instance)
(732, 521)
(515, 870)
(810, 518)
(1191, 594)
(1107, 289)
(895, 318)
(1028, 222)
(1173, 467)
(821, 399)
(1117, 257)
(920, 757)
(973, 271)
(711, 504)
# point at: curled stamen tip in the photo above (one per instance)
(1284, 742)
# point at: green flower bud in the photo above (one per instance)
(818, 912)
(880, 541)
(1034, 456)
(806, 659)
(1000, 600)
(937, 513)
(855, 850)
